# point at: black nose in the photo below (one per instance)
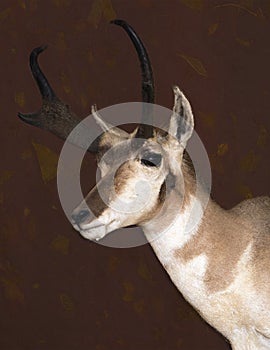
(81, 216)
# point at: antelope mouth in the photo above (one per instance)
(94, 231)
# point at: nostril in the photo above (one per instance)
(80, 216)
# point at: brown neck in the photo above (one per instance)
(223, 239)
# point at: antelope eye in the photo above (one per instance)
(151, 159)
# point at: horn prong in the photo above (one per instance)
(30, 118)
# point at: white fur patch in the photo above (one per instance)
(187, 277)
(166, 238)
(233, 310)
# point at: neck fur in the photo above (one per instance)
(173, 231)
(180, 215)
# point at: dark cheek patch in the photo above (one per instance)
(95, 203)
(167, 186)
(162, 193)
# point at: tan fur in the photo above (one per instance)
(122, 176)
(222, 237)
(218, 259)
(236, 245)
(233, 292)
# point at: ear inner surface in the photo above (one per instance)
(182, 121)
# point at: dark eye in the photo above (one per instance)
(151, 159)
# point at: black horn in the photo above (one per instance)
(54, 115)
(145, 129)
(42, 82)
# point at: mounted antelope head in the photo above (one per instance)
(218, 259)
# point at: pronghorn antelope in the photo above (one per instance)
(221, 263)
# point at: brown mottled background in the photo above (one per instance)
(58, 291)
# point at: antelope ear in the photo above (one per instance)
(111, 136)
(182, 121)
(107, 127)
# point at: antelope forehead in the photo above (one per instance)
(115, 156)
(132, 175)
(124, 176)
(126, 170)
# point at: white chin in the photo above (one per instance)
(93, 234)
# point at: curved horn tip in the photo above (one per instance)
(148, 93)
(118, 22)
(42, 82)
(38, 50)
